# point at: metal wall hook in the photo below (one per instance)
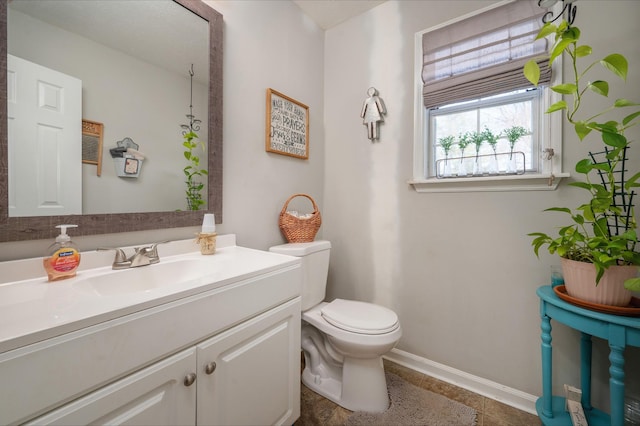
(194, 123)
(568, 6)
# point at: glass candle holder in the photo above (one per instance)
(207, 242)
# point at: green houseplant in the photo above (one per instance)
(492, 139)
(477, 138)
(603, 230)
(446, 143)
(464, 140)
(513, 135)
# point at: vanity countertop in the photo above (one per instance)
(34, 309)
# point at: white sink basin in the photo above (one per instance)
(32, 309)
(144, 278)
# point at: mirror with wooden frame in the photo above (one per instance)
(41, 227)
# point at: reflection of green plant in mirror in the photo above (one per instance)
(193, 171)
(446, 143)
(190, 142)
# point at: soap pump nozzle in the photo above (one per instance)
(63, 237)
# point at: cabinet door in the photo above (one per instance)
(250, 374)
(156, 395)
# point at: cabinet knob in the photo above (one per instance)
(210, 368)
(189, 379)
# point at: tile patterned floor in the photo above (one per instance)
(318, 411)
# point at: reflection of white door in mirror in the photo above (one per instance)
(45, 167)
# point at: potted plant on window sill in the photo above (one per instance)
(513, 135)
(599, 251)
(447, 143)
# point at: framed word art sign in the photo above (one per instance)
(287, 127)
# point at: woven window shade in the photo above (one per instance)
(474, 58)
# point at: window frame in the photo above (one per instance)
(549, 131)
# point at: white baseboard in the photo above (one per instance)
(509, 396)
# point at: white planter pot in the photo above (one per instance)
(580, 282)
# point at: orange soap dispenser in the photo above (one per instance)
(62, 259)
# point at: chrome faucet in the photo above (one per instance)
(143, 256)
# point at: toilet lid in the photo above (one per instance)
(360, 317)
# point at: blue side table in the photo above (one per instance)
(619, 331)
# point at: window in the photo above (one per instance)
(497, 114)
(472, 92)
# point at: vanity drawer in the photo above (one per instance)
(44, 375)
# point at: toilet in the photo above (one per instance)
(343, 341)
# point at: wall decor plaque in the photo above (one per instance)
(287, 126)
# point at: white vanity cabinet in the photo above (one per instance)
(248, 375)
(226, 355)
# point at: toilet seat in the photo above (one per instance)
(359, 317)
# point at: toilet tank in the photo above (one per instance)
(315, 268)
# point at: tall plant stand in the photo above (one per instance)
(619, 331)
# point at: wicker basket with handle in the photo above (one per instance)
(297, 229)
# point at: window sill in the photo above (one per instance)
(532, 182)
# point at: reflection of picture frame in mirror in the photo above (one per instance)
(92, 143)
(287, 127)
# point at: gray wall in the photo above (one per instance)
(457, 268)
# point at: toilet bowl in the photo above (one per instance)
(343, 341)
(344, 363)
